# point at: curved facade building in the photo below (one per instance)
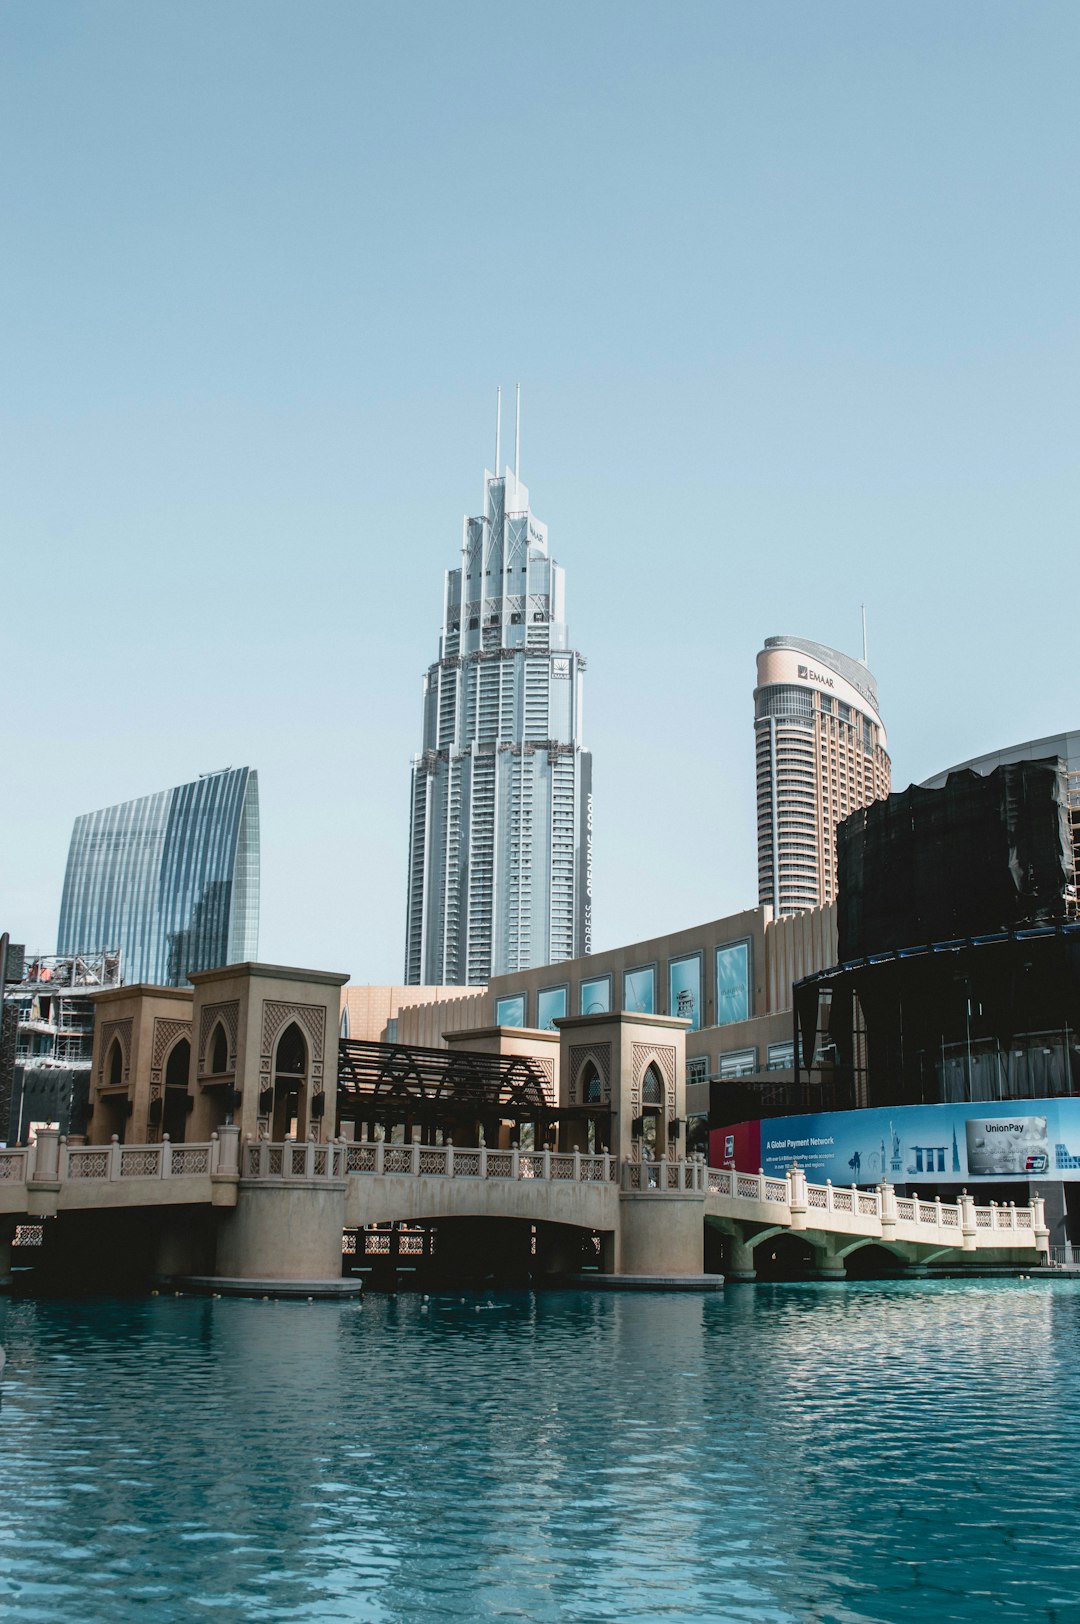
(821, 754)
(501, 805)
(171, 880)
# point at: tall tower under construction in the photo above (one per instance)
(500, 839)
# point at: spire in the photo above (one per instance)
(498, 427)
(517, 435)
(865, 660)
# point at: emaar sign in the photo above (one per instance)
(939, 1144)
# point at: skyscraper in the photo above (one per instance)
(500, 840)
(821, 754)
(171, 880)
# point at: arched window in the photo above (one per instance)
(291, 1053)
(652, 1088)
(178, 1065)
(345, 1022)
(592, 1085)
(115, 1067)
(219, 1051)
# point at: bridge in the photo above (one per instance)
(283, 1208)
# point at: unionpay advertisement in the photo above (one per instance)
(1027, 1139)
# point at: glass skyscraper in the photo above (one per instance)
(500, 842)
(171, 880)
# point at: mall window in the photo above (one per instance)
(594, 997)
(510, 1011)
(639, 990)
(738, 1063)
(733, 1001)
(551, 1006)
(697, 1069)
(684, 989)
(781, 1057)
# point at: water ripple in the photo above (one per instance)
(867, 1455)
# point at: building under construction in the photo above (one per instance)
(53, 1023)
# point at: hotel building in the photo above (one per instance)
(821, 754)
(501, 804)
(170, 881)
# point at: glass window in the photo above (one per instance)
(595, 996)
(738, 1063)
(697, 1069)
(781, 1056)
(639, 990)
(684, 989)
(732, 983)
(551, 1006)
(510, 1011)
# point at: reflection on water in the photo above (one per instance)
(885, 1452)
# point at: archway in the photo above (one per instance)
(176, 1091)
(598, 1136)
(290, 1083)
(653, 1120)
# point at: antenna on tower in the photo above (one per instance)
(498, 426)
(517, 434)
(865, 661)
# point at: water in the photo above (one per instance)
(887, 1452)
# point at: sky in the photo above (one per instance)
(791, 292)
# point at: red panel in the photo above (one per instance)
(740, 1144)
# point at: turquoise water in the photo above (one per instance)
(862, 1452)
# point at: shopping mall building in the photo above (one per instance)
(948, 1027)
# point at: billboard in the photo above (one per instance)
(967, 1143)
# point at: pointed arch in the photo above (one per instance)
(114, 1064)
(219, 1050)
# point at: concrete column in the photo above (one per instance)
(967, 1222)
(287, 1232)
(827, 1265)
(47, 1161)
(228, 1149)
(662, 1234)
(887, 1193)
(741, 1266)
(797, 1197)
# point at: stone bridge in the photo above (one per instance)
(283, 1207)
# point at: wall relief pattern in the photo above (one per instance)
(229, 1016)
(116, 1029)
(600, 1055)
(641, 1056)
(310, 1018)
(166, 1034)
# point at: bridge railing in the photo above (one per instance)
(882, 1203)
(52, 1160)
(341, 1157)
(662, 1177)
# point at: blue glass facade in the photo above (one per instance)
(172, 880)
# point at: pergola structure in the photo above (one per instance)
(461, 1095)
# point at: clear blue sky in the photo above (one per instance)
(791, 289)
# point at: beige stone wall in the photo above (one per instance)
(255, 1004)
(146, 1022)
(782, 951)
(371, 1008)
(453, 1010)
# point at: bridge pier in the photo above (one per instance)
(742, 1265)
(828, 1265)
(283, 1238)
(661, 1234)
